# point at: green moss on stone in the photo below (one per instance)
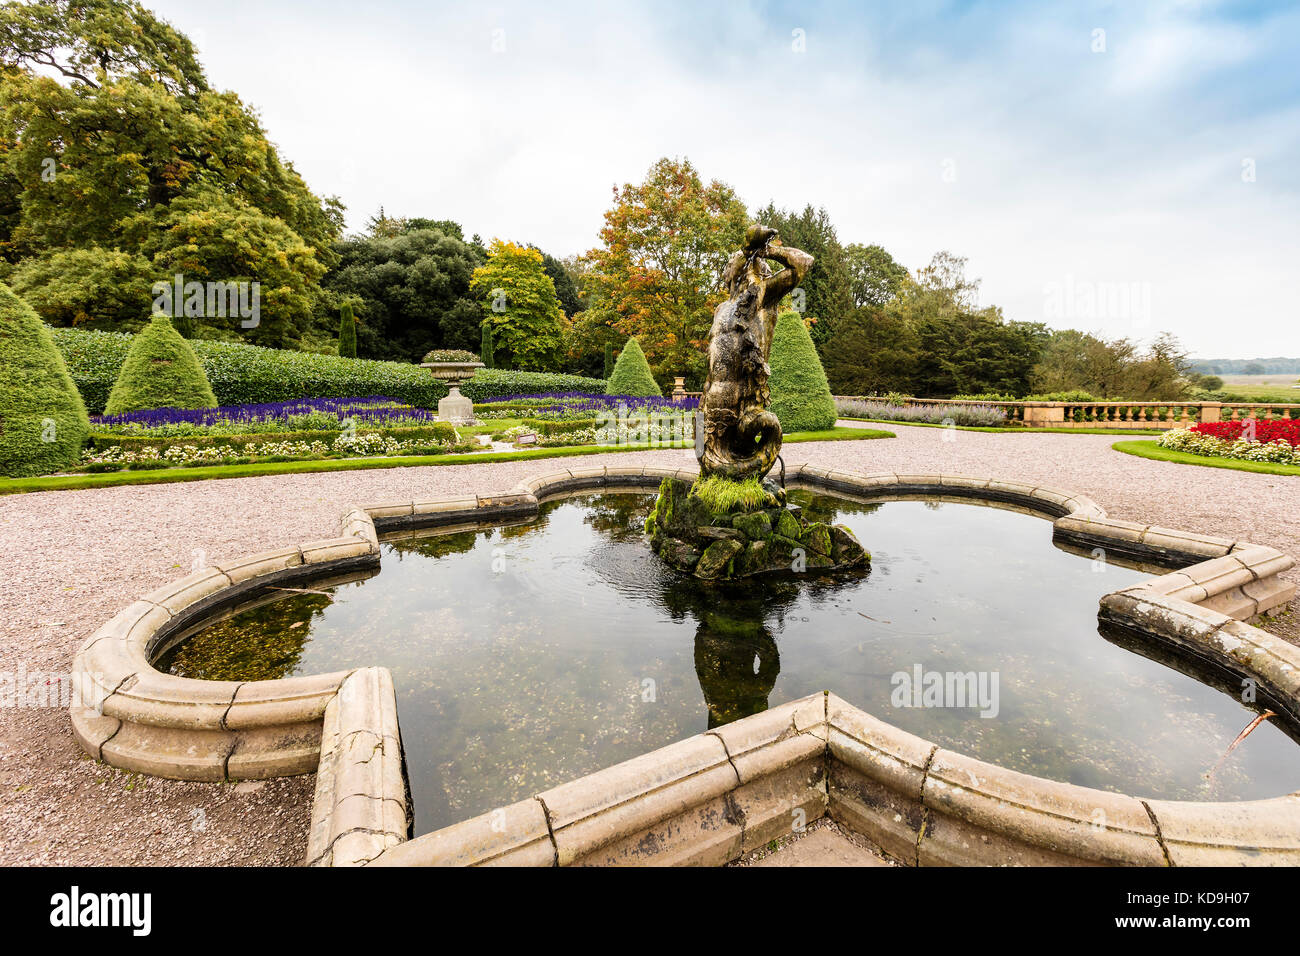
(725, 496)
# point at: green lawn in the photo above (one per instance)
(1011, 430)
(9, 486)
(1149, 449)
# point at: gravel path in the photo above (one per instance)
(69, 560)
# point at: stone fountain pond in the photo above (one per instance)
(527, 655)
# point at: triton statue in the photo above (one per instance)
(740, 438)
(710, 528)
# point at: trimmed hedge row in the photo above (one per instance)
(249, 374)
(436, 431)
(489, 383)
(551, 426)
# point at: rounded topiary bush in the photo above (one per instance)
(43, 421)
(801, 396)
(631, 374)
(160, 371)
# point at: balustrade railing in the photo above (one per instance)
(1136, 415)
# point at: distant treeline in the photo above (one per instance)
(1258, 366)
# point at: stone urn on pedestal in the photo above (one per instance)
(455, 408)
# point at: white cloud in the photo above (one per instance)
(1123, 166)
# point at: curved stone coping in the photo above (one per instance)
(716, 796)
(132, 716)
(361, 806)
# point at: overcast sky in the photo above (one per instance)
(1140, 179)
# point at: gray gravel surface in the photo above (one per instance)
(69, 560)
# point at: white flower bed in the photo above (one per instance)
(1186, 440)
(359, 445)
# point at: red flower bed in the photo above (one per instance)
(1266, 431)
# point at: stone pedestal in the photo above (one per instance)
(455, 408)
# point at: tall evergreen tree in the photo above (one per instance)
(347, 331)
(826, 291)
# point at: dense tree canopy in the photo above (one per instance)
(411, 291)
(126, 156)
(518, 299)
(827, 294)
(874, 276)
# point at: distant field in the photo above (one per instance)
(1283, 379)
(1262, 392)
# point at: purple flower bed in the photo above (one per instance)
(375, 408)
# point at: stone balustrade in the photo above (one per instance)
(1135, 415)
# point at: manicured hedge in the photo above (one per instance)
(247, 374)
(801, 399)
(42, 419)
(161, 371)
(491, 383)
(631, 375)
(549, 426)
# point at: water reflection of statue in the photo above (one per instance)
(740, 438)
(737, 663)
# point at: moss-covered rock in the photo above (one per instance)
(160, 371)
(631, 374)
(788, 525)
(714, 561)
(687, 535)
(801, 396)
(818, 537)
(756, 525)
(43, 422)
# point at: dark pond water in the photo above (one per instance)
(526, 656)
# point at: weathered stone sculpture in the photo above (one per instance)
(736, 436)
(740, 529)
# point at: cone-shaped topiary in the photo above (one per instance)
(160, 371)
(801, 397)
(43, 421)
(347, 332)
(486, 347)
(631, 375)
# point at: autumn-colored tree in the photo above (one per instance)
(520, 304)
(664, 245)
